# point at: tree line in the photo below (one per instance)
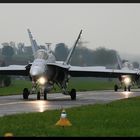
(82, 56)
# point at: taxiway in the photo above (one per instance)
(15, 104)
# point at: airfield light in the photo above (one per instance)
(42, 80)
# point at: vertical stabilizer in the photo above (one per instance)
(33, 42)
(119, 61)
(73, 48)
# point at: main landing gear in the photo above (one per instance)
(116, 87)
(25, 93)
(73, 94)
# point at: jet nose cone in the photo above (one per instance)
(36, 71)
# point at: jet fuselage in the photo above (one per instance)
(39, 66)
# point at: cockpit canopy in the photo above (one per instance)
(41, 54)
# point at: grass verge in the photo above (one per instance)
(118, 118)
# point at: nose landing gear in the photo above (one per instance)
(44, 93)
(125, 88)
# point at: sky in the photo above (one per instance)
(111, 25)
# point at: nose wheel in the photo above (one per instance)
(38, 95)
(44, 95)
(127, 88)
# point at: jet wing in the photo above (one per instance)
(59, 64)
(94, 71)
(91, 71)
(15, 70)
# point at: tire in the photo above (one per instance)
(25, 93)
(45, 94)
(73, 94)
(38, 95)
(115, 88)
(125, 88)
(129, 88)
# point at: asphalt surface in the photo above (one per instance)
(15, 104)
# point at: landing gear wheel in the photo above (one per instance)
(38, 95)
(73, 94)
(45, 94)
(25, 93)
(129, 88)
(115, 87)
(125, 88)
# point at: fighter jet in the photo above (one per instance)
(45, 71)
(126, 81)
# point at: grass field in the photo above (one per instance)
(15, 88)
(119, 118)
(86, 84)
(80, 84)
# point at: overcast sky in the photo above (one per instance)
(115, 26)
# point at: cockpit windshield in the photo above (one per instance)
(41, 54)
